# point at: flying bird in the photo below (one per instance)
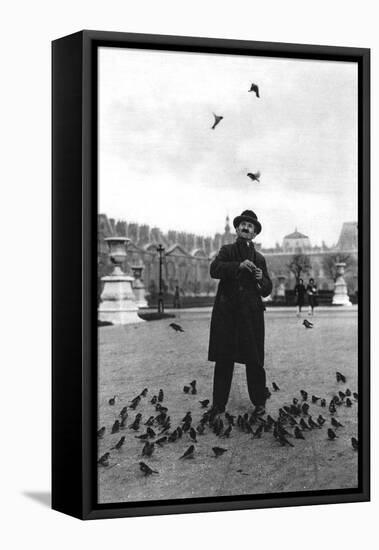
(254, 88)
(218, 119)
(307, 324)
(146, 469)
(119, 444)
(176, 327)
(254, 177)
(323, 402)
(189, 452)
(218, 451)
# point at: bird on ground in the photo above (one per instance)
(186, 426)
(348, 402)
(312, 423)
(305, 408)
(142, 437)
(135, 402)
(315, 398)
(187, 417)
(119, 444)
(149, 421)
(254, 176)
(135, 425)
(150, 432)
(101, 432)
(154, 399)
(332, 407)
(336, 424)
(218, 451)
(323, 402)
(160, 396)
(331, 434)
(186, 389)
(227, 432)
(146, 469)
(144, 392)
(173, 437)
(304, 395)
(160, 441)
(179, 431)
(192, 434)
(304, 425)
(283, 441)
(355, 395)
(275, 387)
(340, 377)
(200, 429)
(354, 443)
(193, 386)
(189, 452)
(321, 420)
(204, 404)
(254, 88)
(123, 412)
(342, 395)
(258, 432)
(230, 418)
(176, 327)
(148, 449)
(104, 460)
(112, 400)
(295, 401)
(123, 421)
(348, 392)
(115, 427)
(298, 433)
(218, 119)
(307, 324)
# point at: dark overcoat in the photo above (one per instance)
(237, 324)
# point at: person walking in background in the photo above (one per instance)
(237, 323)
(312, 296)
(300, 293)
(177, 298)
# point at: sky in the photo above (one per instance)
(161, 164)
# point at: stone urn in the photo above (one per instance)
(340, 297)
(118, 304)
(280, 295)
(139, 286)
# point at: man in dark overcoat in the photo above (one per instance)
(237, 324)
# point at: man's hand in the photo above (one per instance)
(247, 264)
(258, 274)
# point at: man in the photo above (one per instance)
(300, 292)
(237, 324)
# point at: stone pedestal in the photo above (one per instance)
(118, 304)
(138, 286)
(340, 297)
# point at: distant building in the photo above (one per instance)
(187, 256)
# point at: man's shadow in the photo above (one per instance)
(43, 497)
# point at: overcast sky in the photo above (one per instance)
(161, 164)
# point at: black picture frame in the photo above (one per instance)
(74, 293)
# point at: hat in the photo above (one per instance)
(248, 216)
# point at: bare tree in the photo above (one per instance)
(329, 264)
(299, 264)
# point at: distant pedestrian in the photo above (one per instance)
(177, 298)
(312, 295)
(300, 293)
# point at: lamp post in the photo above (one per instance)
(160, 251)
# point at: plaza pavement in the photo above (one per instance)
(152, 355)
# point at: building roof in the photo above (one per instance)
(296, 235)
(348, 239)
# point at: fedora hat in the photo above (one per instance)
(248, 216)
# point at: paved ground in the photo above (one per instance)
(152, 355)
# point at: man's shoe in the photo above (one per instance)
(216, 410)
(259, 410)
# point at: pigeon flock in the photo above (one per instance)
(292, 423)
(218, 118)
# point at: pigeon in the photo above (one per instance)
(321, 420)
(204, 404)
(186, 426)
(283, 441)
(254, 88)
(315, 398)
(186, 389)
(148, 449)
(161, 440)
(218, 119)
(332, 407)
(160, 396)
(348, 392)
(149, 421)
(307, 324)
(331, 434)
(342, 395)
(146, 469)
(304, 425)
(104, 460)
(275, 387)
(298, 433)
(123, 421)
(304, 395)
(101, 432)
(355, 395)
(340, 377)
(230, 418)
(142, 437)
(200, 429)
(192, 434)
(112, 400)
(312, 423)
(354, 443)
(119, 444)
(135, 402)
(176, 327)
(123, 412)
(154, 400)
(135, 424)
(189, 452)
(187, 417)
(258, 432)
(323, 402)
(254, 177)
(348, 402)
(227, 431)
(115, 427)
(173, 437)
(295, 401)
(305, 408)
(218, 451)
(144, 392)
(150, 432)
(336, 424)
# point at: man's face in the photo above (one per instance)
(246, 230)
